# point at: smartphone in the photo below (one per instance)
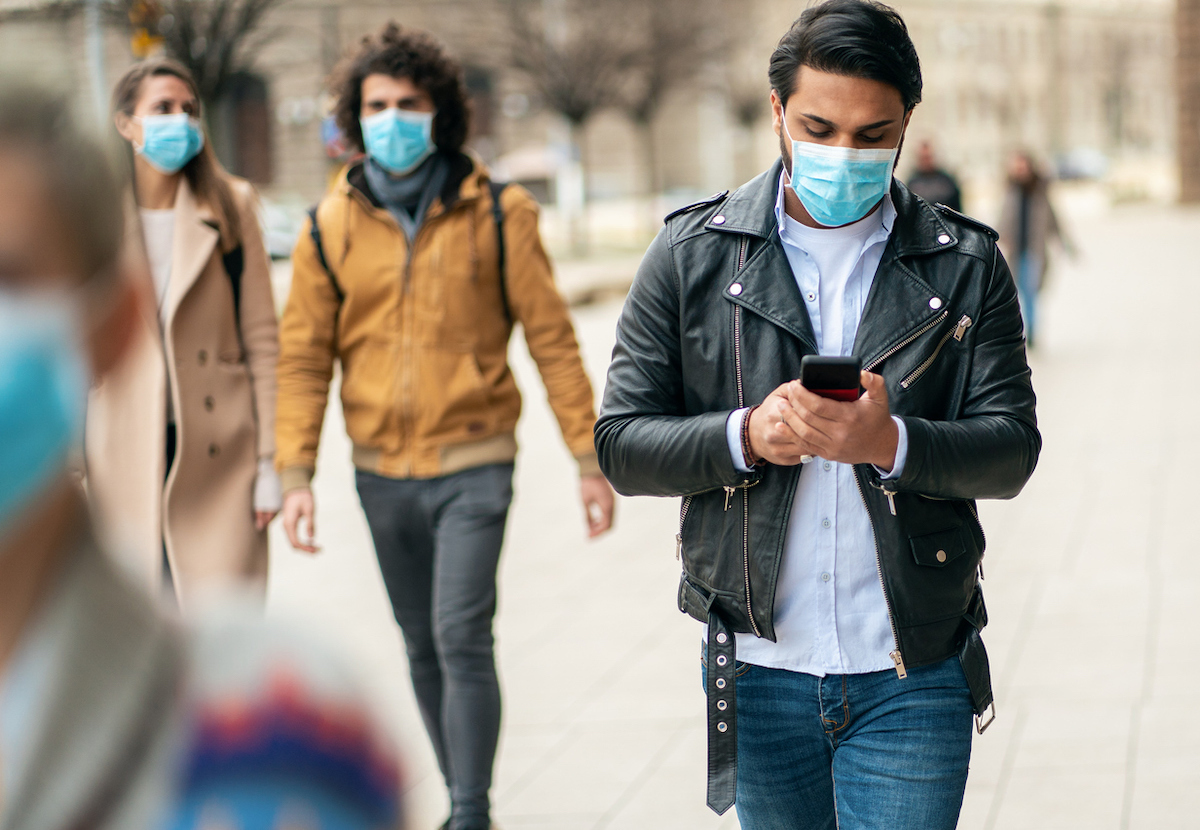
(832, 377)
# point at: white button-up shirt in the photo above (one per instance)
(830, 613)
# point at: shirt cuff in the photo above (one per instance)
(901, 453)
(733, 437)
(268, 492)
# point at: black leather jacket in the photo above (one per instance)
(714, 322)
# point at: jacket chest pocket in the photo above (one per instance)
(936, 550)
(950, 337)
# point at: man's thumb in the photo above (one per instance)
(874, 384)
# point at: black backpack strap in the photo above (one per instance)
(314, 232)
(496, 189)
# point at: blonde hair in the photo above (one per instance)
(207, 178)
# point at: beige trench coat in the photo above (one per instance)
(223, 391)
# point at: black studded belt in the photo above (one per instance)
(720, 687)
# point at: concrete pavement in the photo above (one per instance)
(1091, 577)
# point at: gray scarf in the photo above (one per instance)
(408, 197)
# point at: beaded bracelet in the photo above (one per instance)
(747, 453)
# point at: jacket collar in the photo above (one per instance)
(918, 228)
(899, 303)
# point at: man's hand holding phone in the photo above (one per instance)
(795, 421)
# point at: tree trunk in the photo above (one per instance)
(1187, 29)
(652, 175)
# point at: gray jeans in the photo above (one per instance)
(438, 543)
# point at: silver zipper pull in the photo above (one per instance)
(899, 661)
(728, 495)
(678, 546)
(891, 497)
(963, 325)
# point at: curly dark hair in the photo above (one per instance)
(403, 53)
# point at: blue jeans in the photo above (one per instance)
(1029, 282)
(852, 751)
(438, 543)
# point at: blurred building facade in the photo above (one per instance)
(1087, 83)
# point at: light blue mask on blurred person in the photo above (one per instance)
(170, 141)
(398, 140)
(839, 185)
(43, 394)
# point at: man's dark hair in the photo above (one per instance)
(859, 38)
(403, 53)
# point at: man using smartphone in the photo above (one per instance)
(841, 596)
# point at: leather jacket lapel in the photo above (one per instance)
(765, 285)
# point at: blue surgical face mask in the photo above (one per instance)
(170, 141)
(839, 185)
(43, 394)
(398, 140)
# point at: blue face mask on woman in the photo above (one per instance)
(398, 140)
(43, 394)
(170, 141)
(839, 185)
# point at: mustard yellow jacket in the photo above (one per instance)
(422, 335)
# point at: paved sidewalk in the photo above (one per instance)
(1091, 575)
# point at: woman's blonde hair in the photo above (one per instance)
(207, 178)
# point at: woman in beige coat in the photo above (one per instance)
(180, 441)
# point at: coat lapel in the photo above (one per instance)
(767, 287)
(195, 239)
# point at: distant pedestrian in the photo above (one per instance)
(830, 544)
(1027, 224)
(112, 715)
(933, 183)
(411, 275)
(181, 440)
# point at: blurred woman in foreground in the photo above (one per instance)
(180, 442)
(111, 716)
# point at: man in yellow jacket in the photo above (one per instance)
(411, 275)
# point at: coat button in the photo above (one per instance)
(722, 659)
(718, 219)
(202, 357)
(722, 727)
(213, 450)
(735, 289)
(209, 403)
(935, 303)
(944, 239)
(941, 556)
(720, 682)
(722, 705)
(722, 637)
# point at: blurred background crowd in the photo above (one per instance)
(613, 111)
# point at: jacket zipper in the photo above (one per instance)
(891, 494)
(931, 324)
(737, 365)
(982, 535)
(957, 333)
(683, 511)
(897, 657)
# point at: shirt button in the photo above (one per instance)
(825, 523)
(825, 577)
(811, 296)
(827, 466)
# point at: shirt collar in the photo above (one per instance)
(887, 212)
